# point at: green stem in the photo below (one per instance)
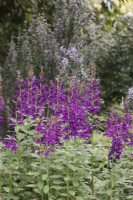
(113, 171)
(92, 166)
(67, 157)
(47, 168)
(42, 197)
(18, 153)
(40, 159)
(10, 179)
(0, 186)
(67, 172)
(112, 178)
(75, 155)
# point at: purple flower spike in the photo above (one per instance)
(10, 143)
(118, 128)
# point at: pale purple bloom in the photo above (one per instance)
(130, 93)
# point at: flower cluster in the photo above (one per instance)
(130, 98)
(70, 54)
(130, 93)
(60, 112)
(118, 128)
(29, 99)
(10, 143)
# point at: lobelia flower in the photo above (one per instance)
(29, 99)
(32, 99)
(118, 128)
(127, 125)
(10, 143)
(73, 112)
(114, 131)
(62, 111)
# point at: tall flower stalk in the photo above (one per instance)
(118, 129)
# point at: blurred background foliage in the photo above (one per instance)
(13, 14)
(103, 31)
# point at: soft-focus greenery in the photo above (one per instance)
(12, 15)
(115, 60)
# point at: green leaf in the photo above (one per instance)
(6, 189)
(57, 187)
(31, 185)
(59, 167)
(91, 197)
(67, 178)
(1, 166)
(35, 155)
(40, 185)
(35, 164)
(58, 182)
(75, 183)
(21, 136)
(1, 145)
(79, 198)
(109, 192)
(51, 196)
(17, 128)
(32, 132)
(24, 129)
(46, 189)
(113, 182)
(37, 191)
(130, 197)
(63, 194)
(58, 160)
(71, 192)
(44, 177)
(33, 173)
(71, 167)
(56, 176)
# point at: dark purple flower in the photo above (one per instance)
(10, 143)
(46, 154)
(116, 148)
(118, 128)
